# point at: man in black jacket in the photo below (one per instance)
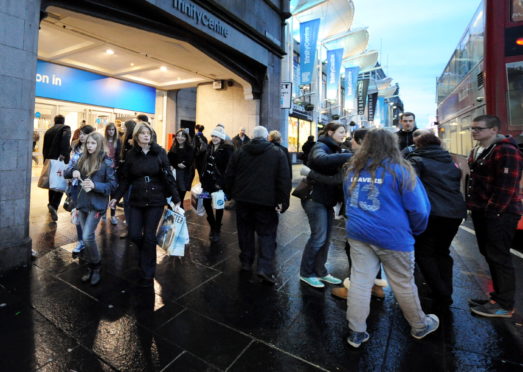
(408, 126)
(56, 146)
(258, 178)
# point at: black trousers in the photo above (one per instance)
(494, 235)
(214, 216)
(142, 226)
(262, 220)
(432, 252)
(55, 198)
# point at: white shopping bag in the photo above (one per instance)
(173, 234)
(57, 181)
(218, 199)
(197, 199)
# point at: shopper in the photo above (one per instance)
(213, 178)
(127, 144)
(181, 156)
(275, 139)
(146, 172)
(408, 127)
(75, 186)
(306, 148)
(96, 174)
(386, 206)
(326, 158)
(56, 146)
(493, 196)
(240, 139)
(258, 179)
(200, 144)
(114, 147)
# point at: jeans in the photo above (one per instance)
(399, 268)
(89, 221)
(142, 226)
(494, 235)
(317, 248)
(263, 220)
(432, 251)
(55, 198)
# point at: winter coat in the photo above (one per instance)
(56, 142)
(238, 142)
(286, 152)
(405, 138)
(259, 174)
(441, 178)
(149, 176)
(495, 174)
(184, 156)
(325, 158)
(104, 184)
(306, 148)
(386, 213)
(214, 167)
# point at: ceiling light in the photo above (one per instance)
(109, 51)
(163, 68)
(132, 64)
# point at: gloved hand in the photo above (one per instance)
(305, 170)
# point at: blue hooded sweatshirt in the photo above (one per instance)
(385, 213)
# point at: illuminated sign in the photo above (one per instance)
(73, 85)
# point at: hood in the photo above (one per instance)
(507, 140)
(257, 146)
(434, 152)
(329, 142)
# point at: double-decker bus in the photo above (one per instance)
(484, 75)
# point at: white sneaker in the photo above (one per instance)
(114, 220)
(79, 247)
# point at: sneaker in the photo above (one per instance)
(492, 310)
(477, 301)
(355, 339)
(312, 281)
(114, 220)
(52, 211)
(330, 279)
(433, 324)
(79, 247)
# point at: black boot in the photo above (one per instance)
(95, 276)
(215, 233)
(85, 278)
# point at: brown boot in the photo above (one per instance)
(340, 292)
(377, 291)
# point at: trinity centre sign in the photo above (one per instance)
(201, 17)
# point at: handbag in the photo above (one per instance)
(69, 203)
(303, 190)
(43, 181)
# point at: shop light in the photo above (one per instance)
(163, 68)
(519, 41)
(132, 64)
(109, 51)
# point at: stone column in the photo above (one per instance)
(19, 21)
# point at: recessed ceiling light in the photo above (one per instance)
(132, 64)
(163, 68)
(109, 51)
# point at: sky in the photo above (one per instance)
(416, 39)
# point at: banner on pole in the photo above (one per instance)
(308, 40)
(373, 98)
(363, 87)
(334, 58)
(351, 84)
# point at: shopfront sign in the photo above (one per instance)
(350, 86)
(201, 17)
(73, 85)
(285, 95)
(308, 40)
(334, 58)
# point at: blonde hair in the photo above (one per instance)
(88, 164)
(139, 128)
(274, 135)
(380, 150)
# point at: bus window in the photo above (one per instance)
(515, 93)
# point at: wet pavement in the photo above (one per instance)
(204, 314)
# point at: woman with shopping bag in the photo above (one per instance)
(147, 172)
(214, 166)
(181, 157)
(95, 173)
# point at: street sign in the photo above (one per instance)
(285, 95)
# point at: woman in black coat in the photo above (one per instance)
(147, 171)
(441, 178)
(214, 166)
(181, 156)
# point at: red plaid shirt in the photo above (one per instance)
(494, 178)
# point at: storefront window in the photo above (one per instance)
(304, 132)
(515, 93)
(517, 10)
(293, 134)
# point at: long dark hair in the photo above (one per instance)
(186, 145)
(129, 129)
(115, 135)
(86, 129)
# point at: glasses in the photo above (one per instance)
(478, 129)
